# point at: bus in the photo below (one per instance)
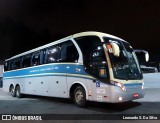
(87, 66)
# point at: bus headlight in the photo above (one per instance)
(119, 85)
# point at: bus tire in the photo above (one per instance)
(79, 96)
(13, 91)
(18, 92)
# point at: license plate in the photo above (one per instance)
(135, 95)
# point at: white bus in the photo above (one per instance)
(88, 66)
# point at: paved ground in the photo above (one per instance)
(150, 104)
(47, 105)
(152, 80)
(43, 105)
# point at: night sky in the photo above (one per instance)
(27, 24)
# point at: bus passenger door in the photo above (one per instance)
(98, 68)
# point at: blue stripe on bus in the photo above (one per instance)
(76, 76)
(132, 84)
(54, 68)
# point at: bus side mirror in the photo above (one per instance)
(143, 51)
(146, 57)
(115, 49)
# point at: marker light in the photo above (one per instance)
(119, 85)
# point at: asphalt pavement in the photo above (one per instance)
(150, 104)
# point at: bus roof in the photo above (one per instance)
(99, 34)
(88, 33)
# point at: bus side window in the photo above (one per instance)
(52, 54)
(6, 66)
(69, 52)
(26, 62)
(17, 63)
(11, 66)
(72, 53)
(36, 58)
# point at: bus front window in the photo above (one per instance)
(126, 65)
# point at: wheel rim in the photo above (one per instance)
(78, 96)
(17, 92)
(12, 91)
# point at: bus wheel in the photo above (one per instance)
(79, 96)
(18, 92)
(13, 91)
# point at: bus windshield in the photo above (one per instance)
(126, 65)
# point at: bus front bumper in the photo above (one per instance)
(122, 96)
